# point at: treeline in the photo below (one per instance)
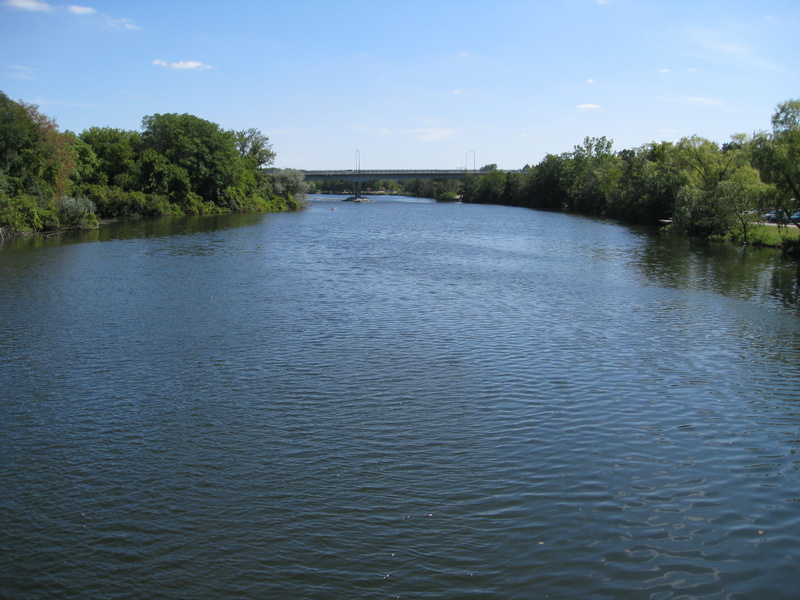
(444, 190)
(701, 187)
(178, 164)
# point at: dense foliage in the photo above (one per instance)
(700, 187)
(177, 164)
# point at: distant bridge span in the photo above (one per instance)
(360, 175)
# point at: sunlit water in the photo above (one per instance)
(397, 399)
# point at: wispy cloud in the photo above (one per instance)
(182, 64)
(121, 24)
(588, 106)
(717, 46)
(20, 72)
(430, 132)
(75, 9)
(693, 101)
(433, 134)
(81, 10)
(34, 5)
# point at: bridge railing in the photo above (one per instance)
(370, 174)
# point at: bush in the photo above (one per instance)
(20, 213)
(77, 213)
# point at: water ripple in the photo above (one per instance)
(382, 402)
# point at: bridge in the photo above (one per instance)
(358, 176)
(361, 175)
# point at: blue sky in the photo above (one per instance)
(410, 84)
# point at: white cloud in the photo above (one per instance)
(663, 70)
(29, 5)
(434, 134)
(693, 100)
(719, 46)
(122, 24)
(19, 72)
(190, 64)
(182, 64)
(38, 5)
(590, 81)
(587, 106)
(81, 10)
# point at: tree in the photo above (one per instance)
(19, 139)
(777, 155)
(721, 191)
(491, 188)
(545, 185)
(117, 152)
(207, 154)
(786, 117)
(255, 146)
(35, 158)
(592, 174)
(288, 183)
(648, 184)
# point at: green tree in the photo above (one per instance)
(19, 139)
(545, 185)
(255, 146)
(592, 174)
(720, 187)
(117, 152)
(648, 185)
(35, 158)
(777, 156)
(288, 185)
(490, 188)
(205, 152)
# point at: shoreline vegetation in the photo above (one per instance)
(179, 164)
(692, 186)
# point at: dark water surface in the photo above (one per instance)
(397, 399)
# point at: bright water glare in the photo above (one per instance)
(398, 399)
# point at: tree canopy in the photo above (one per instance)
(701, 187)
(177, 164)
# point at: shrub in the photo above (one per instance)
(76, 213)
(20, 213)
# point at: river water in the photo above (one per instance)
(398, 399)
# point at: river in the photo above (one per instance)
(398, 399)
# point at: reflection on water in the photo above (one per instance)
(745, 273)
(398, 399)
(135, 228)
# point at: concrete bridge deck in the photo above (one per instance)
(397, 174)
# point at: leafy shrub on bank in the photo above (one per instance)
(20, 213)
(116, 203)
(76, 213)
